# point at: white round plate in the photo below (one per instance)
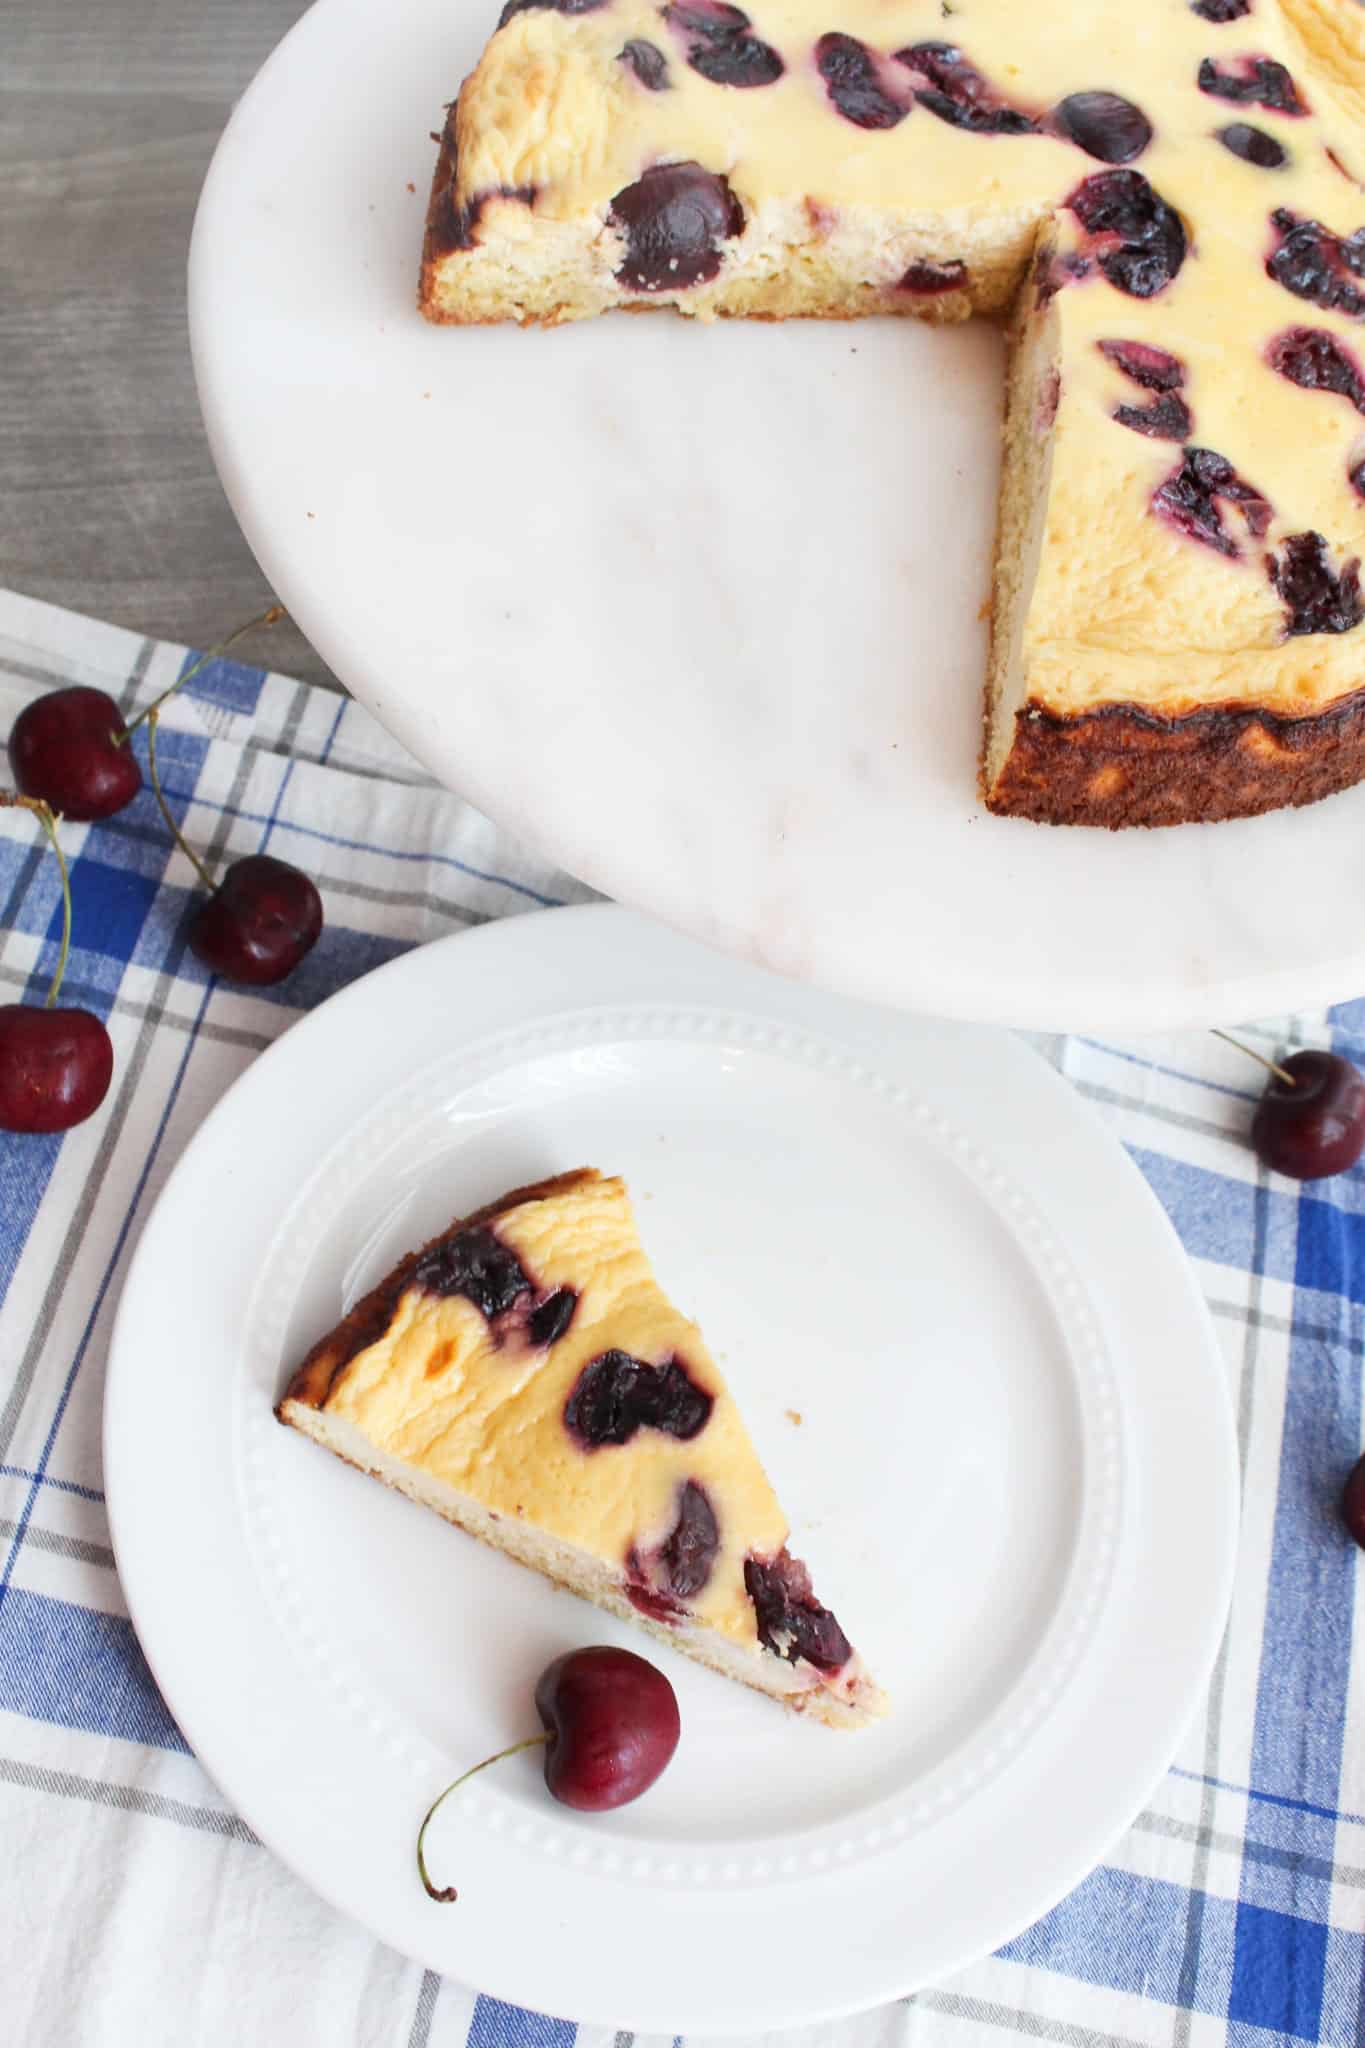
(1012, 1438)
(698, 611)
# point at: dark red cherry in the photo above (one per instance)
(791, 1622)
(952, 88)
(648, 62)
(260, 921)
(674, 219)
(855, 82)
(1165, 419)
(1318, 597)
(1315, 264)
(1316, 361)
(1104, 125)
(70, 748)
(1251, 81)
(1153, 368)
(1353, 1502)
(1253, 145)
(615, 1395)
(1191, 500)
(55, 1067)
(1313, 1124)
(719, 46)
(612, 1720)
(1143, 240)
(929, 278)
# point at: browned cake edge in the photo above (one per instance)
(1123, 764)
(367, 1321)
(441, 235)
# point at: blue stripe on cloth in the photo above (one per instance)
(191, 1040)
(107, 902)
(1219, 1218)
(229, 683)
(26, 1165)
(1137, 1059)
(1304, 1674)
(17, 1542)
(331, 738)
(420, 854)
(1270, 1798)
(1277, 1979)
(1342, 2024)
(496, 2025)
(109, 907)
(1129, 1933)
(46, 1479)
(1348, 1021)
(79, 1669)
(1331, 1250)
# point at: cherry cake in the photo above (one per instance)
(525, 1376)
(1163, 199)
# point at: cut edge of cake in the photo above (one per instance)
(1121, 764)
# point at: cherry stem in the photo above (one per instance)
(1280, 1073)
(153, 720)
(265, 618)
(446, 1894)
(10, 799)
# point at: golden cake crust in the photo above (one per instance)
(1124, 765)
(373, 1313)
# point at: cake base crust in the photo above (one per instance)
(1124, 765)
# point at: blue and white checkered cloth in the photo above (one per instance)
(138, 1907)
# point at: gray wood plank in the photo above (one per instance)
(109, 502)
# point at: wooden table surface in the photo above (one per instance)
(109, 502)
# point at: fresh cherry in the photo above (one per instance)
(261, 920)
(70, 749)
(55, 1067)
(1353, 1502)
(1310, 1121)
(612, 1721)
(611, 1727)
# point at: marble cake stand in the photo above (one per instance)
(699, 611)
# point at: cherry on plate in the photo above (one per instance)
(259, 923)
(1310, 1121)
(612, 1719)
(611, 1727)
(55, 1067)
(70, 748)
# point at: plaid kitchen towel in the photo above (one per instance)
(138, 1907)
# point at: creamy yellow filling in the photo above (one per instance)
(437, 1391)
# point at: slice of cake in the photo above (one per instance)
(525, 1375)
(1167, 195)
